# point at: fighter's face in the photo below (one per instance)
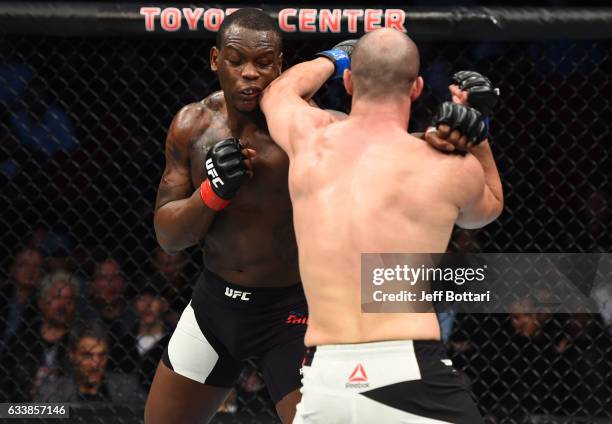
(246, 63)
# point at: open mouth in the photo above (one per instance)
(250, 92)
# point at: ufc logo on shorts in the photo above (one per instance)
(212, 172)
(235, 294)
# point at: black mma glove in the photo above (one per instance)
(340, 55)
(467, 120)
(481, 93)
(225, 171)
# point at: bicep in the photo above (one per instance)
(175, 183)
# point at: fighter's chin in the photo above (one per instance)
(247, 106)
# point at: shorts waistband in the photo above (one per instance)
(245, 296)
(423, 350)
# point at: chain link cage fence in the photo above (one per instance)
(83, 125)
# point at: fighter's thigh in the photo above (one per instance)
(180, 400)
(281, 369)
(194, 377)
(287, 405)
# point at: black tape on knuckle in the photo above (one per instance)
(230, 152)
(442, 109)
(231, 163)
(460, 75)
(449, 111)
(461, 117)
(235, 176)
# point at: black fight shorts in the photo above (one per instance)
(226, 324)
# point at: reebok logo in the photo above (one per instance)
(358, 378)
(212, 172)
(237, 294)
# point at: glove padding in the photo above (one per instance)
(340, 55)
(225, 168)
(481, 93)
(467, 120)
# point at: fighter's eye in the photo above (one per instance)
(233, 61)
(264, 64)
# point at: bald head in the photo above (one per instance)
(385, 62)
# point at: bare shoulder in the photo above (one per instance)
(215, 102)
(461, 171)
(312, 121)
(192, 121)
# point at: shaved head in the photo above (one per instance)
(385, 62)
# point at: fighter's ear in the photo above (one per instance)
(417, 88)
(347, 79)
(214, 57)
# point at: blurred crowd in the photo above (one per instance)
(86, 332)
(73, 332)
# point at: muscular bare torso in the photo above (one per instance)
(252, 241)
(357, 188)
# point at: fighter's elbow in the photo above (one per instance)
(497, 209)
(163, 234)
(475, 219)
(162, 238)
(166, 243)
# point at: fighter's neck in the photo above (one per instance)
(241, 122)
(381, 113)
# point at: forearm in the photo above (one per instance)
(483, 153)
(305, 79)
(182, 223)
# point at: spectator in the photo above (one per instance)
(107, 304)
(531, 375)
(89, 380)
(582, 343)
(107, 301)
(38, 355)
(143, 347)
(18, 294)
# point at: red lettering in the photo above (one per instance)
(394, 18)
(372, 20)
(283, 20)
(213, 18)
(307, 20)
(150, 13)
(329, 21)
(352, 15)
(171, 19)
(192, 16)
